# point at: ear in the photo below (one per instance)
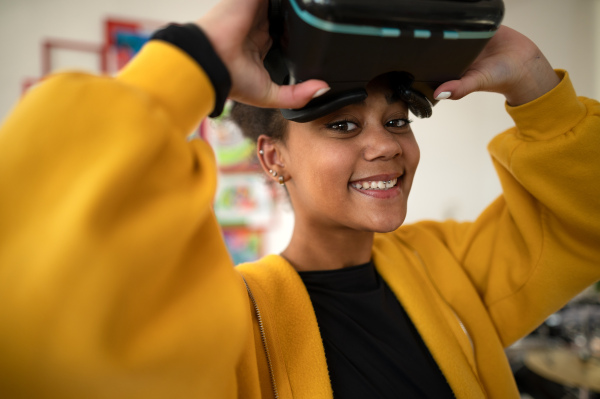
(271, 157)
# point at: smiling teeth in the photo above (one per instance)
(375, 185)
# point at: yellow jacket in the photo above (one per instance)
(115, 282)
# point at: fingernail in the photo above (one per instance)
(443, 95)
(320, 92)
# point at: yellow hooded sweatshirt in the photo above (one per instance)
(115, 282)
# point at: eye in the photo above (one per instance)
(398, 123)
(342, 126)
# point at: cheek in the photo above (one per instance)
(412, 153)
(417, 155)
(329, 169)
(412, 156)
(322, 171)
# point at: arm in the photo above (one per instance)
(537, 245)
(109, 253)
(113, 275)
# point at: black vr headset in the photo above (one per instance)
(347, 43)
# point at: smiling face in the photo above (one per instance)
(352, 169)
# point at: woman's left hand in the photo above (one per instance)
(510, 64)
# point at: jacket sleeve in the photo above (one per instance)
(538, 244)
(114, 279)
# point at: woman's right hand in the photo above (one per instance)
(239, 32)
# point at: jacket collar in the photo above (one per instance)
(292, 332)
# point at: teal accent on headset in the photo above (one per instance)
(454, 35)
(422, 34)
(343, 28)
(375, 31)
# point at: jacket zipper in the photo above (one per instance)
(263, 338)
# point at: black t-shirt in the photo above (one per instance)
(372, 348)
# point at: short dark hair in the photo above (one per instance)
(254, 121)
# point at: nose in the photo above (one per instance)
(380, 144)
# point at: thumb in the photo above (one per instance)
(471, 82)
(295, 96)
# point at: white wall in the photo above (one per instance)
(24, 24)
(455, 179)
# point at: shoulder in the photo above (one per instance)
(263, 266)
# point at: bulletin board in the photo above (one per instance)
(244, 201)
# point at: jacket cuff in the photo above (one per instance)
(192, 40)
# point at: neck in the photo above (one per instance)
(327, 249)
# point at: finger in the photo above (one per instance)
(295, 96)
(457, 89)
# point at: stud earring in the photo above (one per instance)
(261, 152)
(281, 181)
(274, 173)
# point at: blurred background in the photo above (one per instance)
(455, 180)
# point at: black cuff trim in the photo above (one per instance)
(191, 39)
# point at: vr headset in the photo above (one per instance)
(347, 43)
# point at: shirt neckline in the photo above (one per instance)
(359, 278)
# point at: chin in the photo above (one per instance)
(386, 226)
(388, 229)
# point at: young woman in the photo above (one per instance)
(115, 282)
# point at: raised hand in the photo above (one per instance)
(511, 65)
(239, 32)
